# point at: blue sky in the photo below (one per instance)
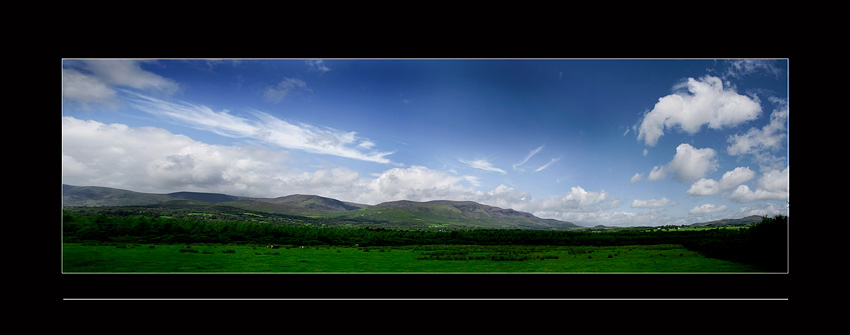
(619, 142)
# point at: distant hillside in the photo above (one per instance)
(730, 222)
(395, 214)
(298, 204)
(456, 214)
(94, 196)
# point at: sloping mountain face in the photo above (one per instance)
(93, 196)
(104, 196)
(396, 214)
(730, 222)
(302, 204)
(207, 197)
(468, 213)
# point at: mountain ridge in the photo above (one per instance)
(402, 212)
(405, 212)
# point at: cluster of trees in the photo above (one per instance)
(763, 244)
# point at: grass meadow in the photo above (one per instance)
(224, 258)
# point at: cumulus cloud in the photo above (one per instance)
(706, 102)
(577, 197)
(416, 183)
(761, 142)
(266, 128)
(689, 164)
(152, 159)
(636, 178)
(773, 185)
(652, 203)
(155, 160)
(704, 186)
(730, 180)
(656, 174)
(736, 177)
(707, 209)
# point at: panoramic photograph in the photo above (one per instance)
(343, 167)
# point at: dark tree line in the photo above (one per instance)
(763, 244)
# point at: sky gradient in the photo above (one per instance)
(617, 142)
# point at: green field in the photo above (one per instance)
(224, 258)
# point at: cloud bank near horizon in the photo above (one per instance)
(150, 159)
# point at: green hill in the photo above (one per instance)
(448, 214)
(94, 196)
(297, 204)
(730, 222)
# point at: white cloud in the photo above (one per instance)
(689, 164)
(706, 102)
(416, 183)
(730, 180)
(129, 73)
(265, 128)
(775, 180)
(85, 89)
(155, 160)
(547, 164)
(708, 209)
(736, 177)
(95, 81)
(527, 157)
(636, 178)
(763, 209)
(760, 142)
(482, 164)
(773, 185)
(578, 197)
(743, 67)
(652, 203)
(704, 186)
(692, 163)
(656, 174)
(152, 159)
(285, 88)
(318, 65)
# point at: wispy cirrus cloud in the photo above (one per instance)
(318, 65)
(90, 82)
(265, 128)
(527, 157)
(483, 164)
(284, 88)
(547, 164)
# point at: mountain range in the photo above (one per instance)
(402, 213)
(432, 213)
